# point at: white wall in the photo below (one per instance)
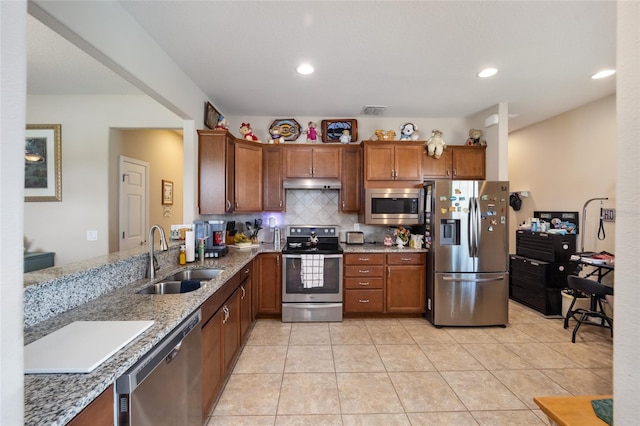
(563, 162)
(13, 77)
(61, 227)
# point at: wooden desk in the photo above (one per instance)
(570, 410)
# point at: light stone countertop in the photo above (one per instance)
(55, 399)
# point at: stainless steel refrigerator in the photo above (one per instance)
(466, 230)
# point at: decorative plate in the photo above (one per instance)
(289, 128)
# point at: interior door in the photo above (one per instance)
(134, 202)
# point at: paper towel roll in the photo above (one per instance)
(190, 243)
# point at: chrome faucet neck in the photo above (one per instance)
(151, 271)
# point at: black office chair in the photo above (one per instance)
(597, 292)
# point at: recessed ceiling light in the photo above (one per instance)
(304, 69)
(603, 74)
(487, 72)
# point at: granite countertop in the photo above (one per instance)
(55, 399)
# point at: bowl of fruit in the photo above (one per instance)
(241, 240)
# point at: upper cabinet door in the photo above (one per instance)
(468, 162)
(273, 196)
(408, 162)
(326, 162)
(437, 168)
(379, 162)
(299, 162)
(248, 176)
(216, 186)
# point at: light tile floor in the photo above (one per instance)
(407, 372)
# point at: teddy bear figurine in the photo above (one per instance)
(474, 137)
(435, 144)
(312, 132)
(385, 135)
(345, 137)
(409, 131)
(247, 132)
(276, 137)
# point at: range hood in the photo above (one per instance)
(311, 183)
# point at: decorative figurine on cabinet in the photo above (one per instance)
(247, 132)
(385, 135)
(312, 132)
(223, 124)
(388, 241)
(435, 144)
(345, 137)
(409, 131)
(474, 138)
(276, 137)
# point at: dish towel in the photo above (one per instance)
(312, 270)
(604, 409)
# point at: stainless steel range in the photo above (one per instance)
(312, 274)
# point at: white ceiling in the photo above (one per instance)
(419, 58)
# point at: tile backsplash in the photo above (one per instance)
(307, 207)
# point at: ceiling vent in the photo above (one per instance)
(374, 109)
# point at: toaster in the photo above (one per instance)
(355, 237)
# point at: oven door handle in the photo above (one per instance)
(298, 256)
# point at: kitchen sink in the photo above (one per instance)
(181, 282)
(194, 274)
(171, 287)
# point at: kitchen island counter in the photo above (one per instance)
(55, 399)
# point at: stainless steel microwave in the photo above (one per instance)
(394, 206)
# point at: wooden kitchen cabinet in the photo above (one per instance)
(216, 172)
(273, 176)
(312, 162)
(231, 329)
(392, 164)
(99, 413)
(248, 176)
(364, 283)
(247, 315)
(406, 282)
(269, 284)
(457, 162)
(351, 177)
(212, 361)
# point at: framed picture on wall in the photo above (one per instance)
(167, 192)
(43, 162)
(333, 129)
(211, 115)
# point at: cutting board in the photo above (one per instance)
(81, 346)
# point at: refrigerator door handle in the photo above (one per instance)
(477, 219)
(470, 229)
(474, 280)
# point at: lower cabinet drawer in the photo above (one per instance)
(364, 271)
(363, 301)
(363, 283)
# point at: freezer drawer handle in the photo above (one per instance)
(476, 280)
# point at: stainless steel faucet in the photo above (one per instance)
(153, 263)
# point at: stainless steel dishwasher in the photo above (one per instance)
(164, 387)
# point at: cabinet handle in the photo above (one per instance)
(244, 292)
(363, 259)
(280, 203)
(455, 173)
(310, 171)
(405, 259)
(278, 261)
(448, 172)
(363, 283)
(366, 271)
(392, 174)
(228, 205)
(343, 204)
(388, 271)
(226, 314)
(363, 300)
(236, 204)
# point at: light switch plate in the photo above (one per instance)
(92, 235)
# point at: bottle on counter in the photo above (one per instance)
(201, 249)
(182, 259)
